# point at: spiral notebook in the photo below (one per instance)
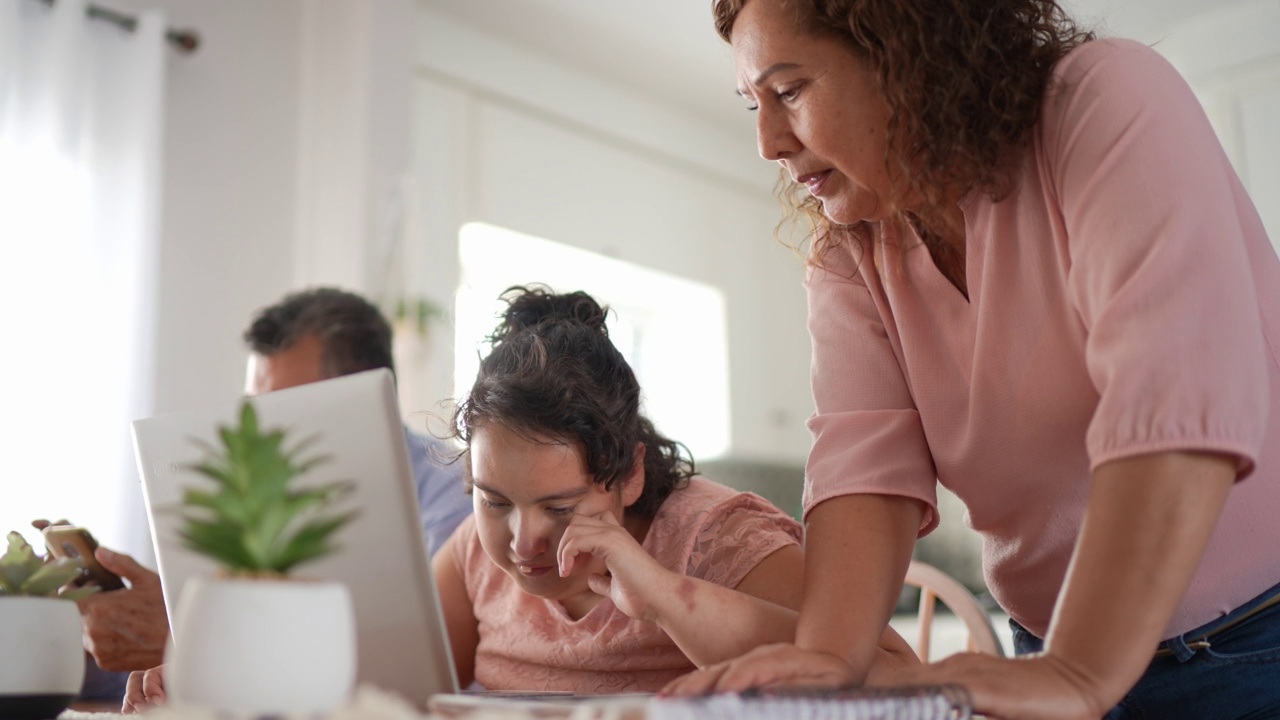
(897, 703)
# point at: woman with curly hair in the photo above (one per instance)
(1036, 279)
(596, 560)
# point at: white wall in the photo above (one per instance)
(1227, 51)
(244, 194)
(353, 136)
(282, 131)
(1231, 58)
(510, 137)
(227, 218)
(230, 170)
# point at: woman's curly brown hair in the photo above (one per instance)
(964, 81)
(555, 376)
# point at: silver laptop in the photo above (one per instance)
(400, 631)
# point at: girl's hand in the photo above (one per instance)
(633, 578)
(768, 666)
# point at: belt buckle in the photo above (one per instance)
(1195, 645)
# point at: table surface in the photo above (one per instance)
(369, 703)
(373, 704)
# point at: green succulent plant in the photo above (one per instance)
(22, 572)
(253, 523)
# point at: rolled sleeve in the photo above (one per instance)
(867, 434)
(736, 536)
(1159, 270)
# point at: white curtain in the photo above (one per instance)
(80, 143)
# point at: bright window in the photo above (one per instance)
(670, 329)
(60, 376)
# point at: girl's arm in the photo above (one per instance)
(857, 551)
(459, 619)
(725, 623)
(710, 623)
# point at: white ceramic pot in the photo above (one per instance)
(41, 658)
(262, 647)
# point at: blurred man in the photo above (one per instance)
(308, 336)
(326, 333)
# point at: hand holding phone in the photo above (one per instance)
(70, 541)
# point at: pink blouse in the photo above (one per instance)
(1123, 300)
(704, 530)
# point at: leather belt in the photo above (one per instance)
(1202, 642)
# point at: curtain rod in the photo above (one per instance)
(184, 41)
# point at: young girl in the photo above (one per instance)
(596, 562)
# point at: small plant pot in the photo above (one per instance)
(262, 647)
(41, 657)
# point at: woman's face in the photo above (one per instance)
(818, 112)
(525, 493)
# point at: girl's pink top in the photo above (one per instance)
(704, 530)
(1124, 299)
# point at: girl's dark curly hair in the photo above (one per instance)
(964, 80)
(554, 376)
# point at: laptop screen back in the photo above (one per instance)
(400, 632)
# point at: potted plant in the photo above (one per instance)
(41, 659)
(255, 640)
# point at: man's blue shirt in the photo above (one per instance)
(442, 501)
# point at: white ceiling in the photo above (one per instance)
(666, 48)
(669, 49)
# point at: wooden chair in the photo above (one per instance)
(936, 585)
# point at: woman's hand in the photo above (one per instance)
(144, 690)
(633, 577)
(1038, 688)
(1041, 687)
(779, 665)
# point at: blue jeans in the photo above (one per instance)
(1238, 676)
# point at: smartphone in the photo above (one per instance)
(74, 542)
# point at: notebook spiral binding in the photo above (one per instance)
(938, 702)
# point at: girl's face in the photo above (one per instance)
(818, 112)
(525, 493)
